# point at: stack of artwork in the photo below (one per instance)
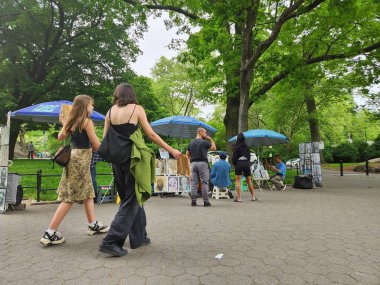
(168, 178)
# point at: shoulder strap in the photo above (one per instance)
(132, 113)
(109, 114)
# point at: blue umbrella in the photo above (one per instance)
(180, 127)
(260, 137)
(47, 112)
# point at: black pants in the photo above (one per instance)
(130, 219)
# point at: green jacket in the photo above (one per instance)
(143, 167)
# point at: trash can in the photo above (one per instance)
(12, 184)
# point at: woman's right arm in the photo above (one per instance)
(151, 134)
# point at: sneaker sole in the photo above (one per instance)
(47, 242)
(91, 233)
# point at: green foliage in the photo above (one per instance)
(179, 86)
(374, 150)
(346, 152)
(363, 150)
(328, 154)
(56, 50)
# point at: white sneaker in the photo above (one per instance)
(55, 238)
(98, 228)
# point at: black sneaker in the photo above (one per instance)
(55, 238)
(146, 241)
(98, 228)
(193, 203)
(207, 204)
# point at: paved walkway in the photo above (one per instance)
(323, 236)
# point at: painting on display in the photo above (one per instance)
(310, 161)
(2, 200)
(172, 166)
(160, 167)
(161, 184)
(3, 177)
(173, 184)
(184, 184)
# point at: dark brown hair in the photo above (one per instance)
(124, 95)
(78, 113)
(240, 140)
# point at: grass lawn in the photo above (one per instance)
(28, 169)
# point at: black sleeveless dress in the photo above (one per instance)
(130, 219)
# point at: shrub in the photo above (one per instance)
(328, 154)
(374, 149)
(346, 152)
(363, 150)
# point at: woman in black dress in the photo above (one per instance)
(240, 159)
(125, 117)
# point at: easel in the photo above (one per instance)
(260, 175)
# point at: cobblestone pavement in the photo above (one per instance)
(329, 235)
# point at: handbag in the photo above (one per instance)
(115, 148)
(62, 156)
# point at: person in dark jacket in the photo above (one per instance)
(240, 160)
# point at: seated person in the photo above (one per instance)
(280, 169)
(220, 173)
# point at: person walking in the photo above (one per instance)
(126, 117)
(75, 184)
(30, 150)
(240, 159)
(197, 151)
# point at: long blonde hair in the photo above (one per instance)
(78, 113)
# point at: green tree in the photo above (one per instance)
(180, 86)
(256, 44)
(50, 46)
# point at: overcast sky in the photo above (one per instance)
(154, 45)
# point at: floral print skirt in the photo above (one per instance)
(76, 184)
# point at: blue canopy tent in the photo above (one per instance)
(260, 137)
(180, 127)
(47, 112)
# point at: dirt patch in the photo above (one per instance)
(372, 167)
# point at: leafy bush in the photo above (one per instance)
(363, 150)
(328, 154)
(346, 152)
(374, 149)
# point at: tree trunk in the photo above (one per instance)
(245, 84)
(313, 118)
(231, 119)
